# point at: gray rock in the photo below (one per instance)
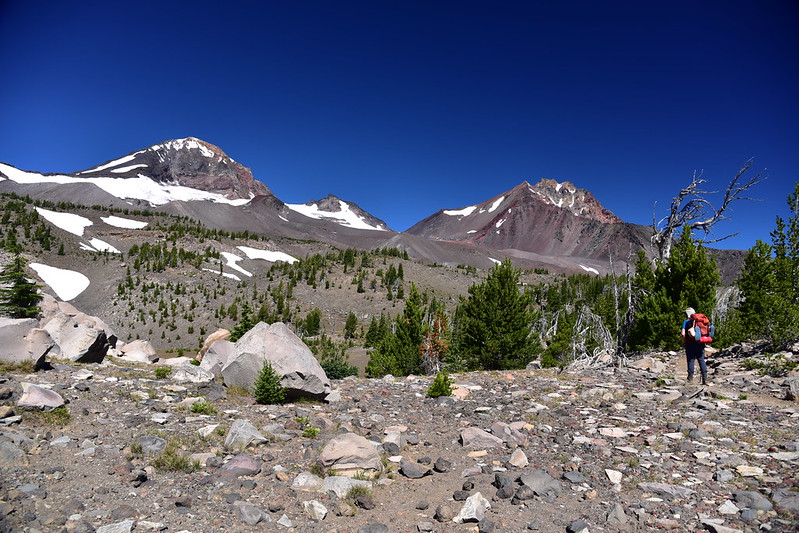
(577, 526)
(616, 516)
(192, 374)
(217, 356)
(373, 528)
(125, 526)
(307, 482)
(473, 509)
(139, 350)
(39, 398)
(76, 342)
(444, 513)
(752, 500)
(250, 514)
(242, 434)
(300, 373)
(152, 444)
(349, 453)
(786, 500)
(542, 484)
(442, 465)
(314, 509)
(476, 438)
(11, 456)
(341, 485)
(723, 476)
(21, 340)
(507, 434)
(413, 470)
(242, 464)
(574, 477)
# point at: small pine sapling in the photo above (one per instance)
(441, 386)
(267, 388)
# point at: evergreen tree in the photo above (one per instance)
(267, 388)
(769, 285)
(398, 353)
(19, 297)
(688, 279)
(350, 326)
(496, 319)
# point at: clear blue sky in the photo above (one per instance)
(409, 107)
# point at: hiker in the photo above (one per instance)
(694, 350)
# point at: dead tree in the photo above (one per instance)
(692, 208)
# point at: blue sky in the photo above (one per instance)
(409, 107)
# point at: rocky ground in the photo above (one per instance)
(636, 449)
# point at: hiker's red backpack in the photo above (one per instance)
(702, 328)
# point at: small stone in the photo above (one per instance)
(473, 509)
(614, 476)
(444, 513)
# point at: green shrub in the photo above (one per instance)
(441, 386)
(162, 372)
(311, 432)
(267, 388)
(203, 408)
(337, 367)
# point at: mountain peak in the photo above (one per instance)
(189, 162)
(566, 195)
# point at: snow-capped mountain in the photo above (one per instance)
(549, 218)
(341, 212)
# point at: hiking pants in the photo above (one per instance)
(695, 351)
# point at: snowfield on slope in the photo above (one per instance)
(67, 284)
(345, 217)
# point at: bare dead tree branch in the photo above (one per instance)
(691, 207)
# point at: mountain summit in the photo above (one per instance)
(189, 163)
(549, 218)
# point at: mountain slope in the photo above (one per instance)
(550, 218)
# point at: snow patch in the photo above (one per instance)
(500, 223)
(495, 260)
(119, 222)
(496, 204)
(103, 246)
(465, 212)
(74, 224)
(471, 231)
(67, 284)
(231, 276)
(110, 164)
(125, 169)
(139, 188)
(589, 269)
(232, 262)
(345, 217)
(267, 255)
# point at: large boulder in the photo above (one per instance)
(299, 371)
(218, 335)
(22, 340)
(37, 397)
(216, 357)
(349, 454)
(51, 308)
(81, 344)
(139, 350)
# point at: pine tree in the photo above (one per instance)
(495, 322)
(267, 388)
(688, 279)
(19, 297)
(350, 326)
(398, 353)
